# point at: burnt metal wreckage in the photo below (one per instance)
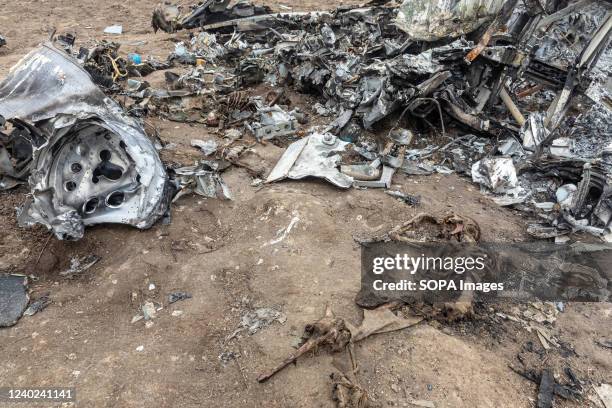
(86, 161)
(516, 94)
(529, 82)
(170, 18)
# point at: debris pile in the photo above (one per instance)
(536, 106)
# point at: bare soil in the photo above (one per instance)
(222, 252)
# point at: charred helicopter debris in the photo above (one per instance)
(171, 18)
(512, 101)
(434, 20)
(501, 70)
(86, 161)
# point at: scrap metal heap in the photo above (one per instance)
(529, 81)
(105, 65)
(514, 94)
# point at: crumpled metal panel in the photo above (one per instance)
(202, 179)
(317, 155)
(95, 164)
(496, 173)
(273, 122)
(432, 20)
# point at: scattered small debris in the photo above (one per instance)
(255, 320)
(548, 384)
(422, 403)
(149, 311)
(227, 357)
(202, 179)
(411, 200)
(605, 343)
(284, 232)
(178, 296)
(114, 29)
(38, 305)
(78, 265)
(207, 147)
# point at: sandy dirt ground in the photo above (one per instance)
(225, 254)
